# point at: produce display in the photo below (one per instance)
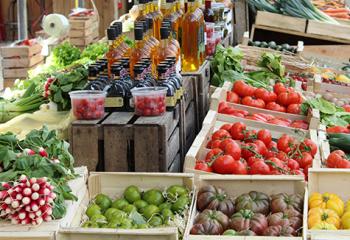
(88, 105)
(330, 76)
(335, 8)
(249, 214)
(139, 209)
(294, 8)
(261, 117)
(272, 45)
(34, 175)
(338, 159)
(235, 149)
(328, 211)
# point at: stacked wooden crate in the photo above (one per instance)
(83, 30)
(18, 60)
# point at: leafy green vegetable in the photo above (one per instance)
(225, 62)
(273, 63)
(15, 163)
(65, 54)
(95, 51)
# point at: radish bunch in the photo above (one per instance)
(27, 201)
(47, 87)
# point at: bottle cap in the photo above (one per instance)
(161, 69)
(164, 32)
(111, 33)
(150, 23)
(138, 33)
(138, 69)
(116, 70)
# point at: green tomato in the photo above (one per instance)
(180, 204)
(113, 213)
(175, 191)
(120, 203)
(99, 219)
(126, 223)
(150, 210)
(230, 232)
(140, 204)
(103, 201)
(90, 224)
(92, 210)
(155, 221)
(167, 214)
(142, 226)
(154, 197)
(132, 194)
(129, 208)
(165, 205)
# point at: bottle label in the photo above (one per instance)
(200, 41)
(171, 101)
(114, 102)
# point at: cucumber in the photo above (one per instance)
(272, 45)
(339, 140)
(256, 44)
(264, 45)
(285, 46)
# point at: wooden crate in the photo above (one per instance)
(201, 83)
(214, 121)
(220, 95)
(280, 21)
(329, 53)
(47, 230)
(340, 31)
(329, 180)
(317, 86)
(235, 186)
(84, 30)
(113, 185)
(142, 144)
(20, 51)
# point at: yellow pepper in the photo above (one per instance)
(347, 208)
(324, 226)
(345, 220)
(342, 78)
(319, 215)
(327, 201)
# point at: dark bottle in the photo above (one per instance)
(163, 81)
(209, 15)
(115, 91)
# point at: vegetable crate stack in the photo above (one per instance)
(230, 207)
(84, 30)
(142, 206)
(242, 147)
(18, 59)
(329, 204)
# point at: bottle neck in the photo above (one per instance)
(207, 4)
(164, 42)
(191, 7)
(116, 77)
(138, 44)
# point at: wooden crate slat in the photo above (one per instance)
(327, 29)
(172, 147)
(17, 72)
(280, 21)
(78, 33)
(20, 51)
(22, 62)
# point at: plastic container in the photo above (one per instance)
(209, 29)
(210, 47)
(217, 36)
(149, 101)
(88, 104)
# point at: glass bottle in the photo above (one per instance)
(139, 51)
(208, 12)
(165, 49)
(163, 81)
(157, 19)
(171, 16)
(115, 91)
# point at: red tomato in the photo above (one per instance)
(232, 97)
(249, 150)
(240, 167)
(272, 146)
(213, 154)
(259, 116)
(233, 149)
(282, 156)
(237, 131)
(225, 142)
(262, 149)
(259, 167)
(300, 124)
(276, 166)
(265, 136)
(279, 122)
(305, 159)
(346, 108)
(255, 118)
(275, 107)
(243, 89)
(265, 95)
(343, 163)
(249, 135)
(252, 160)
(224, 165)
(294, 108)
(249, 101)
(287, 98)
(292, 164)
(215, 144)
(285, 143)
(334, 158)
(226, 127)
(279, 88)
(308, 146)
(222, 107)
(338, 129)
(220, 135)
(306, 171)
(202, 166)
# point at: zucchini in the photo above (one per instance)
(264, 45)
(272, 45)
(339, 140)
(256, 44)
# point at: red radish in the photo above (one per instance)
(32, 215)
(19, 196)
(22, 215)
(5, 185)
(25, 221)
(38, 213)
(3, 194)
(26, 200)
(44, 191)
(42, 152)
(32, 181)
(28, 152)
(15, 204)
(34, 206)
(41, 202)
(8, 200)
(27, 192)
(35, 187)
